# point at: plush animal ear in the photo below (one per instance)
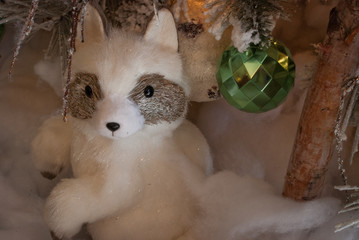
(93, 29)
(162, 30)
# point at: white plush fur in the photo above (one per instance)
(122, 111)
(141, 182)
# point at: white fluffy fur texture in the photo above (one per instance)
(50, 72)
(124, 112)
(144, 183)
(222, 194)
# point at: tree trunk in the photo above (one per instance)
(339, 60)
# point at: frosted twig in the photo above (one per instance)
(75, 12)
(346, 225)
(252, 20)
(48, 15)
(350, 87)
(348, 209)
(352, 206)
(339, 139)
(353, 88)
(347, 188)
(356, 202)
(355, 145)
(24, 33)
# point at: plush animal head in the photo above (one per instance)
(123, 83)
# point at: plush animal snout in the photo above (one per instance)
(117, 117)
(113, 126)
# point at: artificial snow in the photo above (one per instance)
(242, 39)
(242, 200)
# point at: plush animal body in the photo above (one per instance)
(136, 161)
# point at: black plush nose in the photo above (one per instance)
(113, 126)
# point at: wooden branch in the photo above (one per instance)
(315, 135)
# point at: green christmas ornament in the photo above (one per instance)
(257, 80)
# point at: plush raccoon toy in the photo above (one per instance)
(136, 161)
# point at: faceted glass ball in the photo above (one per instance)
(257, 80)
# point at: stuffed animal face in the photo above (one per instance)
(123, 83)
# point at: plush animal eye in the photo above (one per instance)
(88, 91)
(159, 99)
(84, 93)
(148, 91)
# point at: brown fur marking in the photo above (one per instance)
(168, 102)
(80, 105)
(190, 29)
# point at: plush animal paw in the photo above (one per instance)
(51, 147)
(64, 209)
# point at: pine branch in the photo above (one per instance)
(350, 207)
(343, 226)
(253, 20)
(257, 15)
(132, 15)
(47, 15)
(55, 16)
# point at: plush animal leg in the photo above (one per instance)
(51, 147)
(74, 202)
